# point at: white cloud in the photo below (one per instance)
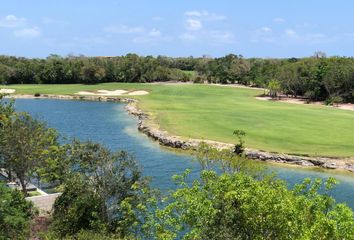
(157, 18)
(290, 33)
(266, 29)
(318, 38)
(11, 21)
(210, 36)
(222, 37)
(123, 29)
(308, 37)
(50, 21)
(195, 13)
(304, 34)
(20, 27)
(263, 34)
(188, 36)
(348, 35)
(154, 33)
(197, 29)
(28, 32)
(279, 20)
(194, 24)
(205, 15)
(152, 37)
(195, 20)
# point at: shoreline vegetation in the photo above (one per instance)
(165, 139)
(318, 77)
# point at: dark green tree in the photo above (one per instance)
(237, 206)
(103, 192)
(24, 143)
(15, 214)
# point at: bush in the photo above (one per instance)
(198, 79)
(15, 214)
(82, 235)
(111, 202)
(238, 206)
(334, 101)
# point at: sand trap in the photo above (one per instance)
(347, 106)
(287, 100)
(7, 91)
(103, 93)
(343, 106)
(138, 93)
(111, 93)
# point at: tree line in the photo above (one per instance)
(106, 196)
(316, 78)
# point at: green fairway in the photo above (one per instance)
(213, 112)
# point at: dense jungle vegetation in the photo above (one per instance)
(316, 78)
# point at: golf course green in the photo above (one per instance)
(214, 112)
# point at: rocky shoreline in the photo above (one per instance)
(178, 142)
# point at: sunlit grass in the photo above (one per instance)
(213, 112)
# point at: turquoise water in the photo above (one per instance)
(110, 124)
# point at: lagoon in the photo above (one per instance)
(109, 124)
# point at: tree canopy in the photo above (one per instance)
(238, 206)
(15, 214)
(317, 77)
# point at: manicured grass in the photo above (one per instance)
(33, 194)
(214, 112)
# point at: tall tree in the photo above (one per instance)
(104, 192)
(23, 146)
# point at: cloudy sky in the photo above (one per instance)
(253, 28)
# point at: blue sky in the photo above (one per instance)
(253, 28)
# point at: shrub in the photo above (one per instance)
(334, 101)
(15, 214)
(237, 206)
(198, 79)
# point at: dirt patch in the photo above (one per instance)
(7, 90)
(39, 225)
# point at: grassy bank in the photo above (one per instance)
(213, 112)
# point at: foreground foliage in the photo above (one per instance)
(237, 206)
(15, 214)
(103, 192)
(24, 147)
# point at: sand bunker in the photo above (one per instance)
(103, 93)
(287, 100)
(7, 91)
(112, 93)
(343, 106)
